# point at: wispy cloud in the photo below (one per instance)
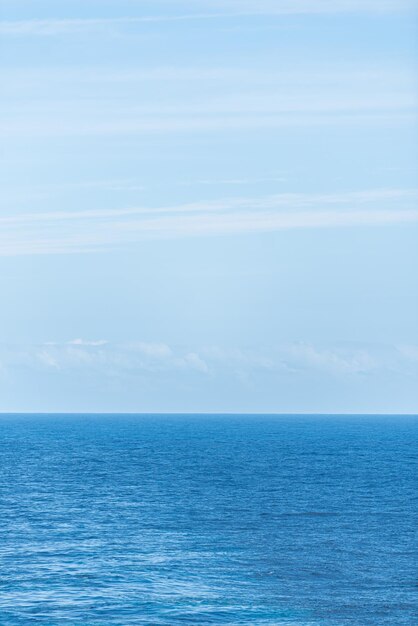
(181, 124)
(52, 27)
(97, 102)
(214, 10)
(398, 75)
(74, 231)
(280, 7)
(243, 114)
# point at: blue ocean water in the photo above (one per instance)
(191, 520)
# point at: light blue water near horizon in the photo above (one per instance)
(166, 520)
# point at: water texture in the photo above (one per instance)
(200, 520)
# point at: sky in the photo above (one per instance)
(209, 206)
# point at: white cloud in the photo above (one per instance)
(53, 27)
(106, 358)
(153, 350)
(75, 231)
(140, 376)
(194, 361)
(214, 10)
(95, 102)
(18, 78)
(409, 352)
(241, 111)
(279, 7)
(84, 342)
(335, 361)
(46, 358)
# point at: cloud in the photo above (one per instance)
(148, 376)
(214, 10)
(107, 358)
(90, 102)
(42, 77)
(83, 342)
(54, 27)
(283, 7)
(47, 359)
(409, 352)
(334, 361)
(193, 361)
(89, 230)
(104, 358)
(259, 110)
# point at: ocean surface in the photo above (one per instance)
(187, 520)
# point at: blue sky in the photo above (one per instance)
(209, 205)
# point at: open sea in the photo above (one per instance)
(201, 520)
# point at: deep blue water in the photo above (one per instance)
(208, 520)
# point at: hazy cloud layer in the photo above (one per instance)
(110, 359)
(161, 372)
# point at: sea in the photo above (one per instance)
(208, 519)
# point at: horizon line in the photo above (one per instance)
(209, 414)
